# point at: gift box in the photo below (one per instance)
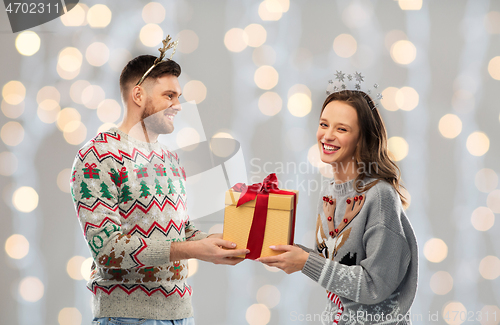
(259, 216)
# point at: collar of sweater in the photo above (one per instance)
(341, 189)
(134, 141)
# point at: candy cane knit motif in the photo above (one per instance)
(336, 300)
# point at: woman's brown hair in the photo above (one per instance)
(372, 144)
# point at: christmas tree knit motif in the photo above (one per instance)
(85, 191)
(144, 190)
(183, 190)
(105, 191)
(171, 187)
(158, 188)
(125, 194)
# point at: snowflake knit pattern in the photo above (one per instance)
(130, 199)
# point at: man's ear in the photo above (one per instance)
(138, 95)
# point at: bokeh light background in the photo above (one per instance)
(258, 71)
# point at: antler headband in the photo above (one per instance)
(166, 46)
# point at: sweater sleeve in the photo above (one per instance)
(96, 200)
(377, 276)
(192, 233)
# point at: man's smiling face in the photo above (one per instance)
(162, 104)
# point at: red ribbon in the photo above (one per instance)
(261, 191)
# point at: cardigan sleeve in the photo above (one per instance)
(379, 274)
(96, 199)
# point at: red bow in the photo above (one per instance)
(261, 191)
(90, 166)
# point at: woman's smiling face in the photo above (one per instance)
(338, 134)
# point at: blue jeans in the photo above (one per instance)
(138, 321)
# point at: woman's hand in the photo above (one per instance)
(292, 260)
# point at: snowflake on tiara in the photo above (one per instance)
(358, 77)
(343, 81)
(340, 76)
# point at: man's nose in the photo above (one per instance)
(177, 105)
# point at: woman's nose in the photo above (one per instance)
(329, 135)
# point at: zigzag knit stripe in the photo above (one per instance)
(156, 226)
(135, 253)
(129, 289)
(135, 205)
(103, 137)
(122, 155)
(98, 202)
(103, 222)
(138, 230)
(154, 202)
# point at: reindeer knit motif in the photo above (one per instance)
(131, 207)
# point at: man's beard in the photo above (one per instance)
(155, 122)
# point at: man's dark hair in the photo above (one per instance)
(135, 69)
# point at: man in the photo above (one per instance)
(129, 195)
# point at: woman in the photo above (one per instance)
(366, 252)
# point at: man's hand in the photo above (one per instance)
(292, 260)
(211, 249)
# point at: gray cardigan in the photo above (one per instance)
(371, 263)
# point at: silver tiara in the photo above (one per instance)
(344, 81)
